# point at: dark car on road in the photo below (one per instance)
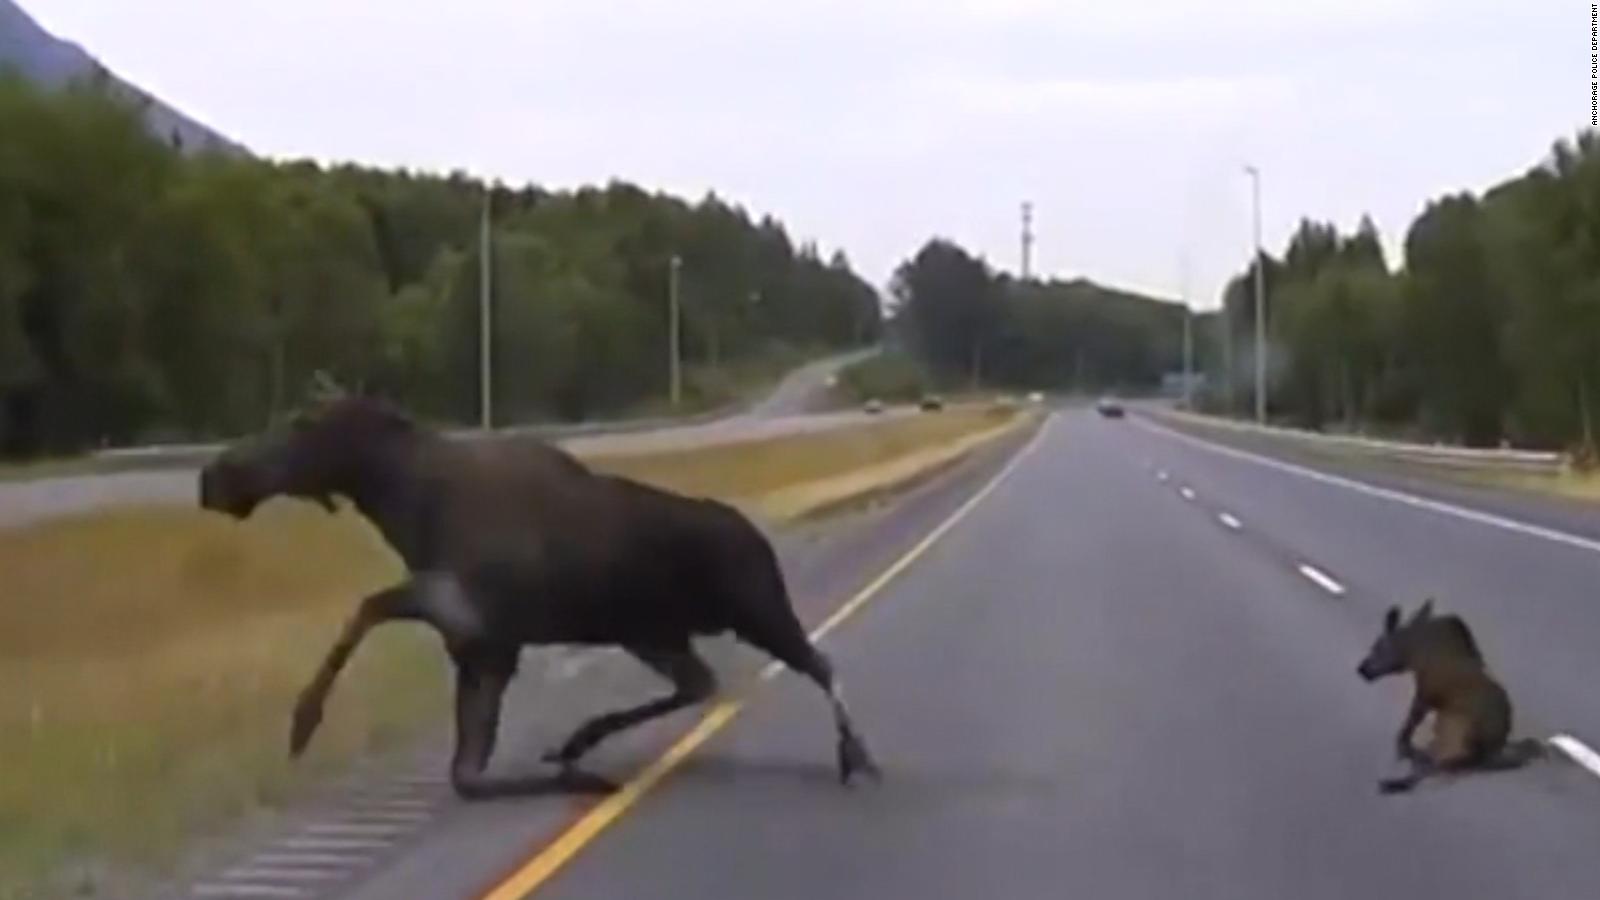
(1109, 408)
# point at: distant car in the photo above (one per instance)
(1036, 398)
(872, 407)
(1109, 408)
(931, 403)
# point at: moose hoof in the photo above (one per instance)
(563, 756)
(1395, 786)
(577, 782)
(306, 719)
(854, 759)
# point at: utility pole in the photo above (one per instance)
(1261, 301)
(485, 343)
(674, 364)
(1027, 240)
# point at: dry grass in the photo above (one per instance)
(149, 656)
(745, 472)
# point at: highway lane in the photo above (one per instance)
(446, 848)
(1534, 601)
(786, 410)
(1094, 686)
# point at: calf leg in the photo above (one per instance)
(1421, 767)
(1451, 750)
(787, 642)
(397, 602)
(692, 681)
(481, 680)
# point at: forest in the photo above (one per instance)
(150, 294)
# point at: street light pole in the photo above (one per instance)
(1261, 302)
(674, 365)
(485, 344)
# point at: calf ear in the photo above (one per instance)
(1391, 619)
(1423, 613)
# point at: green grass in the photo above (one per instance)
(150, 656)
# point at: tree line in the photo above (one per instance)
(968, 324)
(1489, 332)
(148, 294)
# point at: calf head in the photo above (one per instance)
(1391, 652)
(316, 455)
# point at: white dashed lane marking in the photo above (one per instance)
(1230, 521)
(1322, 579)
(1186, 492)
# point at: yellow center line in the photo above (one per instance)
(552, 857)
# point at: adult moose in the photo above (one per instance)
(510, 542)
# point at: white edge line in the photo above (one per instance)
(1580, 752)
(1229, 520)
(1436, 506)
(1321, 579)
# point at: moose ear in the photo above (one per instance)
(1391, 619)
(1423, 613)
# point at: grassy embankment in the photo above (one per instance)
(149, 656)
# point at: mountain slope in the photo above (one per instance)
(39, 56)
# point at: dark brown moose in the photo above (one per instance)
(510, 542)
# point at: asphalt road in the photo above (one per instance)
(786, 410)
(392, 829)
(1128, 672)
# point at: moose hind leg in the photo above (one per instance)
(790, 646)
(692, 680)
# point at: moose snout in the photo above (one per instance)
(219, 492)
(208, 490)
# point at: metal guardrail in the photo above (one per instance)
(164, 455)
(1544, 461)
(195, 454)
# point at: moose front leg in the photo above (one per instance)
(481, 678)
(398, 602)
(1403, 747)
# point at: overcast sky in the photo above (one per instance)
(873, 125)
